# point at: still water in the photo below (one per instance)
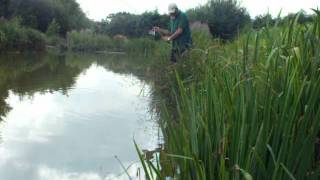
(72, 117)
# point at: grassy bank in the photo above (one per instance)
(88, 41)
(248, 109)
(15, 37)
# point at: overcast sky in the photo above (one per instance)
(99, 9)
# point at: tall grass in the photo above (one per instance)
(87, 41)
(249, 109)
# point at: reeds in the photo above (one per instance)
(249, 110)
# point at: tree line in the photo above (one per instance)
(225, 18)
(39, 14)
(131, 25)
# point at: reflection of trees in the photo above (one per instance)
(28, 74)
(120, 64)
(32, 73)
(47, 78)
(4, 107)
(138, 65)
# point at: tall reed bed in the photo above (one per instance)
(249, 109)
(89, 41)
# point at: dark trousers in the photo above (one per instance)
(177, 53)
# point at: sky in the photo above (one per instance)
(99, 9)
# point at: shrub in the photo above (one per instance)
(263, 21)
(144, 45)
(53, 29)
(88, 41)
(198, 14)
(35, 40)
(3, 40)
(226, 18)
(13, 36)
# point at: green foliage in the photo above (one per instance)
(244, 110)
(263, 21)
(40, 13)
(267, 20)
(35, 40)
(303, 18)
(88, 41)
(130, 24)
(53, 29)
(123, 23)
(16, 37)
(144, 45)
(4, 8)
(226, 18)
(199, 13)
(3, 40)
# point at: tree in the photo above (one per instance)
(303, 17)
(226, 18)
(39, 14)
(4, 8)
(131, 25)
(53, 29)
(263, 21)
(198, 14)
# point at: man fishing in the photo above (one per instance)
(179, 32)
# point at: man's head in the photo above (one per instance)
(173, 9)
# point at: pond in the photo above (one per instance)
(73, 117)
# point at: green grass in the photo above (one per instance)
(88, 41)
(248, 109)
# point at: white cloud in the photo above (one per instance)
(257, 7)
(99, 9)
(46, 173)
(53, 136)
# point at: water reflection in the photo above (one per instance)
(66, 117)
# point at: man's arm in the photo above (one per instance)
(161, 31)
(176, 34)
(181, 26)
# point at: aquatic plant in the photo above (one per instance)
(248, 109)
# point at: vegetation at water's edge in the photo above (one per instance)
(15, 37)
(248, 109)
(59, 23)
(243, 109)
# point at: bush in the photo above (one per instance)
(39, 14)
(263, 21)
(13, 36)
(3, 40)
(226, 18)
(88, 41)
(198, 14)
(144, 45)
(35, 40)
(131, 25)
(53, 29)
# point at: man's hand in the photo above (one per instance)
(166, 38)
(160, 30)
